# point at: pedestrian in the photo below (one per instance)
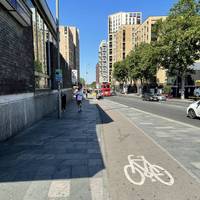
(79, 98)
(63, 102)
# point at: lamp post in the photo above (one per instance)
(58, 49)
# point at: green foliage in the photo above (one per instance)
(120, 71)
(82, 81)
(179, 43)
(142, 62)
(167, 89)
(179, 39)
(93, 84)
(38, 66)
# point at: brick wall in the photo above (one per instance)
(67, 83)
(16, 56)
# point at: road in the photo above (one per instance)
(130, 134)
(164, 109)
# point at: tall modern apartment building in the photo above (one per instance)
(69, 47)
(103, 62)
(115, 21)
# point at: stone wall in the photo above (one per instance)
(21, 111)
(16, 56)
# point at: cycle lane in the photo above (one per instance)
(121, 139)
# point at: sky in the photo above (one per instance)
(90, 17)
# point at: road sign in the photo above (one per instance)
(58, 75)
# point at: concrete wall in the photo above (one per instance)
(20, 111)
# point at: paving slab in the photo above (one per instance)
(55, 159)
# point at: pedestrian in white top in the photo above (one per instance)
(79, 98)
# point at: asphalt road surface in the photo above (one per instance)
(164, 109)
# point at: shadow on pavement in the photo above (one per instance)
(55, 149)
(105, 119)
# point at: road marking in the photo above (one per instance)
(96, 185)
(146, 170)
(59, 189)
(164, 127)
(146, 123)
(164, 150)
(158, 145)
(161, 117)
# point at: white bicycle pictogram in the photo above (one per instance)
(140, 167)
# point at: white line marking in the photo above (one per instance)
(146, 123)
(96, 185)
(59, 189)
(158, 145)
(164, 150)
(161, 117)
(164, 127)
(146, 170)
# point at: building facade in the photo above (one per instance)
(115, 21)
(97, 75)
(103, 62)
(69, 47)
(28, 59)
(75, 34)
(124, 41)
(144, 34)
(16, 72)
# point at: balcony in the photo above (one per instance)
(19, 10)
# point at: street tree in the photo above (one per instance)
(120, 71)
(142, 63)
(179, 40)
(82, 81)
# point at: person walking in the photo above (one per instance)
(64, 101)
(79, 98)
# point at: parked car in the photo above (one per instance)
(161, 97)
(149, 97)
(193, 110)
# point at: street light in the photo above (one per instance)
(58, 49)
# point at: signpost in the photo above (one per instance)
(58, 70)
(59, 77)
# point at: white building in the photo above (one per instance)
(115, 21)
(103, 62)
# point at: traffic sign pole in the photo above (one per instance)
(58, 49)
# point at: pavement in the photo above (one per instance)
(106, 152)
(56, 159)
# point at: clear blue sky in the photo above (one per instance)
(90, 16)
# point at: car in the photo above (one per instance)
(193, 110)
(161, 97)
(149, 97)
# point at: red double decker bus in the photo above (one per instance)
(105, 89)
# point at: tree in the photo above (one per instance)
(179, 37)
(93, 84)
(142, 63)
(82, 81)
(120, 71)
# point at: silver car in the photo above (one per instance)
(161, 97)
